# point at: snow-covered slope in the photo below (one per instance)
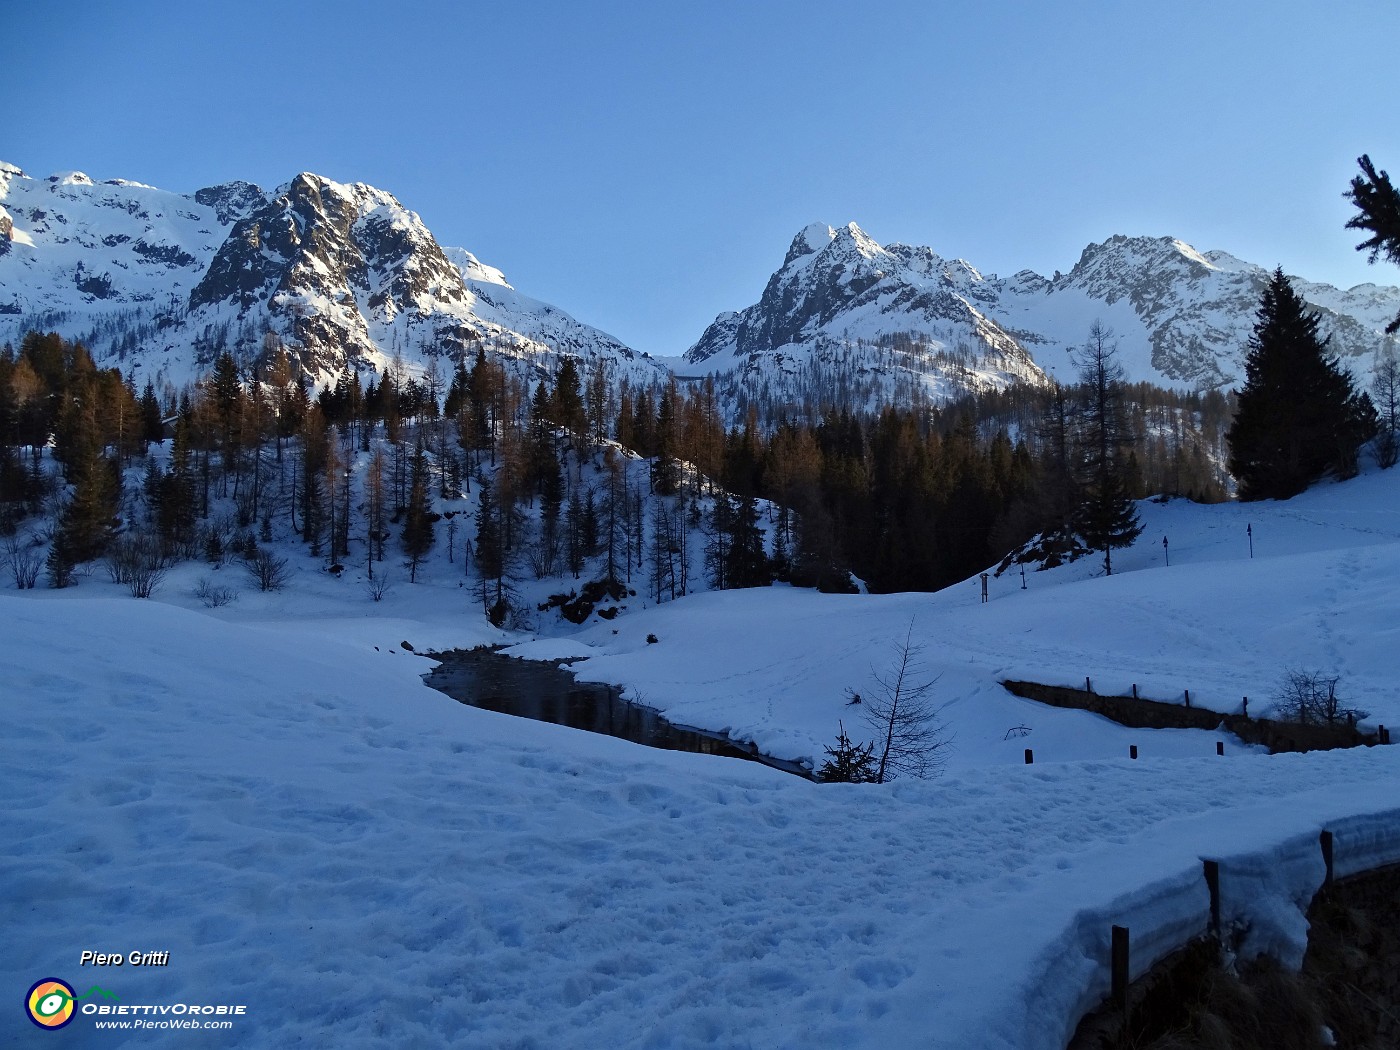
(285, 808)
(340, 274)
(1182, 318)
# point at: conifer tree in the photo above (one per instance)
(418, 516)
(1378, 202)
(490, 554)
(1298, 416)
(568, 401)
(375, 513)
(849, 763)
(1106, 518)
(748, 562)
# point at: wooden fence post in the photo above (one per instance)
(1030, 756)
(1132, 751)
(1213, 884)
(1118, 969)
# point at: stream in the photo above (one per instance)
(548, 692)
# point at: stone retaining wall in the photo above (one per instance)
(1157, 714)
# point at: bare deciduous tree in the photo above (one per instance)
(23, 561)
(377, 586)
(1311, 697)
(909, 738)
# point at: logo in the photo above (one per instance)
(50, 1003)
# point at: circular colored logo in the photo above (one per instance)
(50, 1003)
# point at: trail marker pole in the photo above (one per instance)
(1166, 553)
(1249, 531)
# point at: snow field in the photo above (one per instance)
(359, 859)
(268, 792)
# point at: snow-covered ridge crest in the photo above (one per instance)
(1182, 317)
(340, 274)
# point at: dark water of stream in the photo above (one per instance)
(549, 693)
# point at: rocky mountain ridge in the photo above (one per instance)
(1182, 318)
(341, 275)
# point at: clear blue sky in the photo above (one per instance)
(644, 165)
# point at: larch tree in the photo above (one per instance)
(1105, 518)
(418, 516)
(1385, 385)
(908, 737)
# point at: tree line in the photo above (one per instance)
(650, 485)
(908, 498)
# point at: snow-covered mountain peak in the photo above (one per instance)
(70, 178)
(340, 274)
(859, 239)
(900, 318)
(811, 239)
(850, 245)
(1121, 255)
(473, 269)
(830, 244)
(231, 201)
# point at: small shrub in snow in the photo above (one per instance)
(213, 596)
(268, 571)
(377, 587)
(138, 562)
